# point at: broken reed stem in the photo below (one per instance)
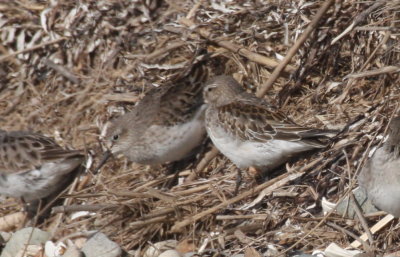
(255, 57)
(78, 207)
(363, 222)
(33, 48)
(282, 179)
(349, 233)
(293, 50)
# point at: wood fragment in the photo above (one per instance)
(282, 179)
(3, 58)
(292, 51)
(360, 18)
(236, 217)
(255, 57)
(349, 233)
(363, 222)
(62, 70)
(380, 71)
(374, 229)
(78, 207)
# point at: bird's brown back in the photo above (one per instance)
(21, 151)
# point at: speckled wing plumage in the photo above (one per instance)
(249, 131)
(166, 125)
(178, 101)
(257, 122)
(33, 166)
(170, 104)
(22, 151)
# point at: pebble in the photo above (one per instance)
(21, 238)
(100, 246)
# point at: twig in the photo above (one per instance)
(375, 72)
(194, 9)
(236, 217)
(33, 48)
(275, 74)
(282, 179)
(382, 43)
(378, 226)
(357, 209)
(255, 57)
(349, 233)
(62, 70)
(203, 163)
(158, 52)
(174, 208)
(192, 191)
(352, 183)
(363, 222)
(315, 227)
(57, 221)
(78, 207)
(137, 224)
(360, 18)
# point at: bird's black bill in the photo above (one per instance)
(107, 154)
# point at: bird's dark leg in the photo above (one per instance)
(177, 166)
(173, 168)
(31, 208)
(238, 180)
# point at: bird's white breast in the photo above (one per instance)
(264, 155)
(165, 144)
(381, 181)
(37, 183)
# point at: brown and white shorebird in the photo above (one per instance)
(165, 126)
(249, 132)
(380, 177)
(33, 166)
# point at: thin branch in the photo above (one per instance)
(255, 57)
(293, 50)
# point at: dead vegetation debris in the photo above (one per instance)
(66, 67)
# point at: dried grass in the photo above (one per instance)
(67, 67)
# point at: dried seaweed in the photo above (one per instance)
(67, 67)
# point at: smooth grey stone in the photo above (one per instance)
(346, 209)
(100, 246)
(21, 238)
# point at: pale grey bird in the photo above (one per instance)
(249, 132)
(33, 166)
(165, 126)
(380, 176)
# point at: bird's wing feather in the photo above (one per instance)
(258, 122)
(170, 104)
(179, 101)
(21, 151)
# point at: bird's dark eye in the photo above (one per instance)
(115, 137)
(209, 89)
